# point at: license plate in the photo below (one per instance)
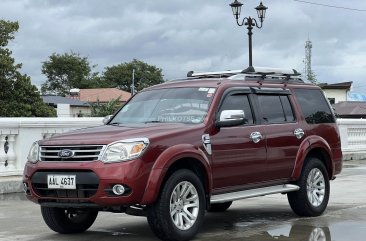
(61, 181)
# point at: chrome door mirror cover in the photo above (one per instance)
(231, 118)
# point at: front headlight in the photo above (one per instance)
(125, 150)
(33, 154)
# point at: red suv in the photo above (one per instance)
(179, 149)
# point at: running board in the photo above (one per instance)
(232, 196)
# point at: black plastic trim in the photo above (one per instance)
(277, 91)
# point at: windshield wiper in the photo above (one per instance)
(153, 121)
(115, 124)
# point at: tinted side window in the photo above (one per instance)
(314, 106)
(238, 102)
(275, 108)
(287, 109)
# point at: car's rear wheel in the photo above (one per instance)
(178, 213)
(219, 207)
(68, 221)
(313, 196)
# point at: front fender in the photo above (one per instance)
(166, 160)
(310, 143)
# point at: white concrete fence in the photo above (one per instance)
(353, 138)
(17, 135)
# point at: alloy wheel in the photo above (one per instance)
(315, 187)
(184, 205)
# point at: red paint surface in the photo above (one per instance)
(236, 162)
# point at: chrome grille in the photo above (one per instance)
(80, 153)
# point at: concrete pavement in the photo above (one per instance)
(256, 219)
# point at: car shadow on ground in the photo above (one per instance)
(238, 223)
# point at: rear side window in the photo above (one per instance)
(238, 102)
(287, 109)
(276, 109)
(314, 106)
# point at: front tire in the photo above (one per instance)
(178, 213)
(67, 221)
(312, 198)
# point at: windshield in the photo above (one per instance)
(179, 105)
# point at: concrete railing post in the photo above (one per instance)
(3, 154)
(12, 157)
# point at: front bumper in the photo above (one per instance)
(94, 182)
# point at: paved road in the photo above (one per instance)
(258, 219)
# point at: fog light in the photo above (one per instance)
(118, 189)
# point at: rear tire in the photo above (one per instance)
(67, 221)
(312, 198)
(219, 207)
(178, 213)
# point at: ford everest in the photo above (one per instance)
(181, 148)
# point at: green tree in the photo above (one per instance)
(103, 109)
(121, 75)
(67, 71)
(18, 97)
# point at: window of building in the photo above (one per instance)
(331, 101)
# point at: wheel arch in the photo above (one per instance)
(172, 159)
(191, 164)
(313, 146)
(324, 157)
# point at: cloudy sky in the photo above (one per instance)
(183, 35)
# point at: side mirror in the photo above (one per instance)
(231, 118)
(107, 119)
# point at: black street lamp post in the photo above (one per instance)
(249, 22)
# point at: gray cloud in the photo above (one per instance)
(179, 36)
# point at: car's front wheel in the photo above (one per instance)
(68, 221)
(313, 196)
(178, 213)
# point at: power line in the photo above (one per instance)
(331, 6)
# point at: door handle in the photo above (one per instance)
(299, 133)
(256, 136)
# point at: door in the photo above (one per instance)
(283, 135)
(238, 152)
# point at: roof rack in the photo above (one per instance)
(267, 78)
(270, 71)
(225, 73)
(261, 72)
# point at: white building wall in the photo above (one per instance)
(63, 110)
(85, 111)
(338, 95)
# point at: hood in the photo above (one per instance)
(106, 134)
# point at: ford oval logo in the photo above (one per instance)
(66, 153)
